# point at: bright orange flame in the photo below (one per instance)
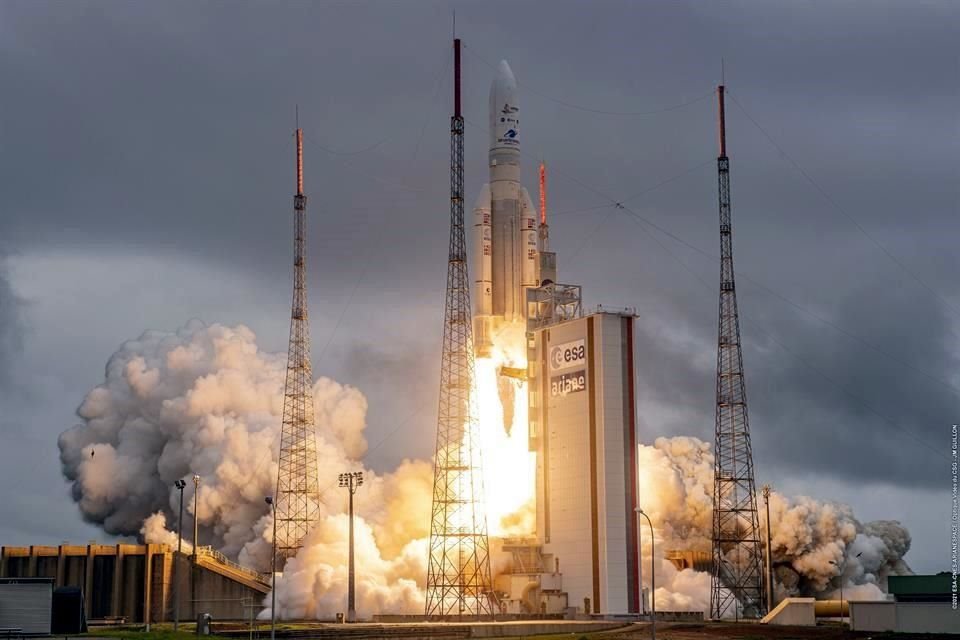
(509, 468)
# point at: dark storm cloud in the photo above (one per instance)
(11, 329)
(862, 415)
(163, 129)
(403, 379)
(821, 402)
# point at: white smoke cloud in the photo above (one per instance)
(202, 400)
(206, 400)
(314, 583)
(808, 536)
(154, 531)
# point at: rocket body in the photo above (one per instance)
(505, 223)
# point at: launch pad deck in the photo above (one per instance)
(422, 629)
(555, 629)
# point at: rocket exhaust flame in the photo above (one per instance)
(508, 464)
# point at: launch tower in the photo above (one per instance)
(458, 571)
(736, 580)
(297, 483)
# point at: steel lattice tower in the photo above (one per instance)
(297, 483)
(458, 572)
(737, 576)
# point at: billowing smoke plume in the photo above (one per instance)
(155, 531)
(314, 583)
(676, 490)
(206, 400)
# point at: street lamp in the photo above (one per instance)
(653, 576)
(643, 603)
(196, 518)
(842, 568)
(194, 572)
(351, 481)
(179, 484)
(273, 571)
(769, 565)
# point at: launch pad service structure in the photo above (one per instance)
(580, 381)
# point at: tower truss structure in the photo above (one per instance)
(458, 570)
(736, 579)
(298, 490)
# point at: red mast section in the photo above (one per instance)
(544, 235)
(299, 162)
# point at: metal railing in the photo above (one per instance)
(222, 559)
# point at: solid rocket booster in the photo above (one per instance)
(505, 223)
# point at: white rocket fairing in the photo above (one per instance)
(505, 223)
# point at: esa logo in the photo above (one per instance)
(567, 354)
(511, 133)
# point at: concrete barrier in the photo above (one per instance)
(904, 617)
(793, 612)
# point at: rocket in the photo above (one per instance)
(505, 223)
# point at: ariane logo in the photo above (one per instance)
(567, 383)
(507, 109)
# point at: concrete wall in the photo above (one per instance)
(904, 617)
(927, 617)
(873, 616)
(135, 582)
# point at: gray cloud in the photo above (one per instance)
(11, 328)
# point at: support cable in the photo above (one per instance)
(833, 203)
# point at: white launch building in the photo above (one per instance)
(580, 376)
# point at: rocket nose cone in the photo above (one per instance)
(504, 110)
(505, 79)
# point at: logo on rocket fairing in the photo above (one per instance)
(508, 137)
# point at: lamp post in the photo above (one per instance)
(273, 571)
(196, 547)
(769, 565)
(842, 568)
(196, 519)
(351, 481)
(643, 604)
(653, 576)
(179, 484)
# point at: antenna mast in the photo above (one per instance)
(736, 578)
(458, 570)
(544, 231)
(298, 490)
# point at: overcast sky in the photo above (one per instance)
(146, 179)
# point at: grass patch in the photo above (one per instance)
(140, 633)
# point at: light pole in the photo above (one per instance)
(653, 576)
(351, 481)
(179, 484)
(842, 568)
(196, 519)
(273, 571)
(643, 604)
(196, 547)
(769, 565)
